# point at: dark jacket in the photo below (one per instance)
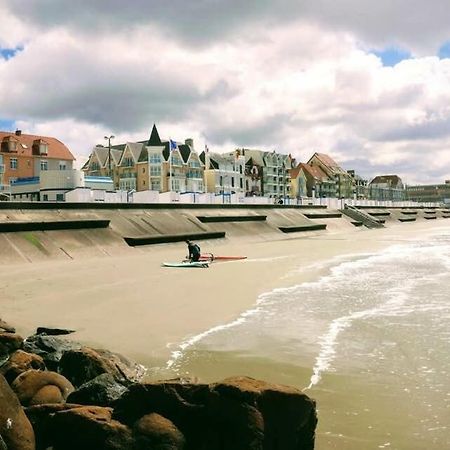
(194, 252)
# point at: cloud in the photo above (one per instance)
(296, 77)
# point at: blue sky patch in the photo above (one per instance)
(444, 51)
(392, 55)
(7, 125)
(8, 53)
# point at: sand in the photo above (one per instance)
(130, 304)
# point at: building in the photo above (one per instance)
(153, 164)
(299, 183)
(343, 181)
(267, 173)
(360, 189)
(224, 173)
(439, 193)
(53, 185)
(26, 156)
(318, 183)
(387, 187)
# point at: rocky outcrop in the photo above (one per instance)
(103, 390)
(20, 362)
(36, 387)
(85, 364)
(108, 411)
(15, 428)
(238, 413)
(5, 326)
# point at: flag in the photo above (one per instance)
(172, 145)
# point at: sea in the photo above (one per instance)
(369, 340)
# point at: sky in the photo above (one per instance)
(366, 82)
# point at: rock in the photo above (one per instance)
(237, 414)
(50, 348)
(9, 343)
(83, 365)
(35, 387)
(5, 326)
(15, 428)
(289, 415)
(53, 331)
(40, 417)
(157, 433)
(103, 390)
(20, 362)
(89, 427)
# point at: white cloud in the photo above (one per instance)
(296, 86)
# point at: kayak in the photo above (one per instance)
(199, 264)
(211, 257)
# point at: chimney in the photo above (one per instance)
(189, 142)
(18, 132)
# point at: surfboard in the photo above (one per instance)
(202, 265)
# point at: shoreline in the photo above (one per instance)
(133, 306)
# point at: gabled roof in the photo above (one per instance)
(56, 149)
(313, 171)
(102, 155)
(185, 152)
(392, 180)
(328, 162)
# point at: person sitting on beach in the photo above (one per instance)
(194, 251)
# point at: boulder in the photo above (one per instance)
(237, 414)
(15, 428)
(89, 427)
(289, 415)
(103, 390)
(20, 362)
(9, 343)
(53, 331)
(5, 326)
(50, 348)
(40, 417)
(83, 365)
(155, 432)
(35, 387)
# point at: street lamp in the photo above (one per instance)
(108, 138)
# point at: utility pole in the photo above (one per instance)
(108, 138)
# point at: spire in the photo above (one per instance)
(154, 137)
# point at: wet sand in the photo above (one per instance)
(132, 305)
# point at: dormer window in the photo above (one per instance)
(40, 147)
(9, 144)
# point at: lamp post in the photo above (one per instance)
(108, 138)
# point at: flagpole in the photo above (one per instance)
(170, 167)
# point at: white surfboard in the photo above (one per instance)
(200, 264)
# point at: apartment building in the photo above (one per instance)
(387, 187)
(429, 193)
(343, 182)
(153, 164)
(25, 156)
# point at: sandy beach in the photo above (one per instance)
(132, 305)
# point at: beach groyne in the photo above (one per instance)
(56, 393)
(31, 232)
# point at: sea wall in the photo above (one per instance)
(58, 394)
(40, 231)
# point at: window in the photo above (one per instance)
(155, 171)
(44, 165)
(128, 162)
(241, 183)
(155, 158)
(143, 182)
(240, 169)
(156, 185)
(45, 197)
(62, 165)
(221, 181)
(232, 181)
(143, 170)
(13, 164)
(59, 197)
